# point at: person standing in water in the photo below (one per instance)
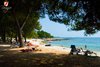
(85, 46)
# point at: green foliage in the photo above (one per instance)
(22, 12)
(32, 34)
(85, 12)
(79, 14)
(31, 26)
(43, 34)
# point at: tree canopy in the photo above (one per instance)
(43, 34)
(19, 20)
(78, 14)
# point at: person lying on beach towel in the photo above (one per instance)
(30, 47)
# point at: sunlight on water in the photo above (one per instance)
(91, 43)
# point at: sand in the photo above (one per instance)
(53, 49)
(43, 49)
(46, 49)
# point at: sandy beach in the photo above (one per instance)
(54, 49)
(44, 56)
(46, 49)
(43, 49)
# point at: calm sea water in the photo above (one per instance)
(91, 43)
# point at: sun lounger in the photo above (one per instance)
(77, 51)
(74, 50)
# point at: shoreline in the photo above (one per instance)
(54, 39)
(48, 49)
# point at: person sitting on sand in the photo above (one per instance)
(29, 44)
(32, 45)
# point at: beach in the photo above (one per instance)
(44, 56)
(54, 49)
(46, 49)
(58, 50)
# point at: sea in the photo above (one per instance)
(92, 43)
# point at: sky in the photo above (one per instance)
(61, 30)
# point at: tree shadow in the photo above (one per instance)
(30, 59)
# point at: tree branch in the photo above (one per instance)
(26, 18)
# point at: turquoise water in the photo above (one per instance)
(91, 43)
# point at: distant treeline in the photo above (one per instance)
(43, 34)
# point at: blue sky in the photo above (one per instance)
(60, 30)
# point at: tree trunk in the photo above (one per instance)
(11, 39)
(25, 38)
(19, 31)
(3, 36)
(16, 38)
(20, 37)
(21, 27)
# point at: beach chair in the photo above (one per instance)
(74, 50)
(15, 45)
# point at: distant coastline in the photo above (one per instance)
(55, 39)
